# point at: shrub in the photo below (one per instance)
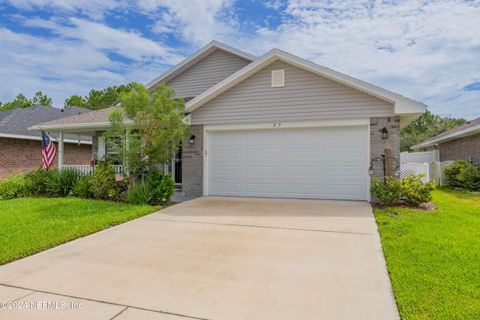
(36, 182)
(388, 193)
(83, 188)
(104, 185)
(139, 194)
(59, 183)
(161, 186)
(410, 190)
(13, 187)
(414, 191)
(463, 174)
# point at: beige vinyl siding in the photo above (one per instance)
(304, 96)
(211, 70)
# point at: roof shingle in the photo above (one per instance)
(17, 121)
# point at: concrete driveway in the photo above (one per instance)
(213, 258)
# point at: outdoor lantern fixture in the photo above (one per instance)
(384, 132)
(371, 171)
(192, 139)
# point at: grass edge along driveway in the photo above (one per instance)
(433, 257)
(31, 225)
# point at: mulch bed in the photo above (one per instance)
(428, 206)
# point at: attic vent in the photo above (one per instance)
(278, 78)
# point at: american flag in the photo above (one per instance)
(48, 151)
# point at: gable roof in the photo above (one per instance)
(196, 57)
(15, 123)
(467, 129)
(81, 122)
(402, 105)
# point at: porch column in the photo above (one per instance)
(60, 151)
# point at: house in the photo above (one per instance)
(20, 149)
(273, 126)
(459, 143)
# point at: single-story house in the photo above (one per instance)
(459, 143)
(273, 126)
(20, 149)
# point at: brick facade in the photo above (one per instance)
(20, 155)
(467, 148)
(378, 144)
(192, 163)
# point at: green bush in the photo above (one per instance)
(104, 185)
(36, 182)
(83, 188)
(161, 187)
(414, 191)
(410, 190)
(463, 174)
(388, 193)
(139, 194)
(59, 183)
(13, 187)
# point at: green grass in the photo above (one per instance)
(433, 257)
(30, 225)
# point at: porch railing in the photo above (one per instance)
(87, 170)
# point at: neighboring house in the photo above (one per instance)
(459, 143)
(20, 149)
(273, 126)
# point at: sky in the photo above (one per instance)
(425, 50)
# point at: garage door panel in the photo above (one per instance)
(319, 163)
(265, 153)
(302, 170)
(226, 188)
(227, 171)
(226, 153)
(263, 189)
(263, 171)
(268, 138)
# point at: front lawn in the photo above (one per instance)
(433, 257)
(30, 225)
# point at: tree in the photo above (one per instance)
(41, 99)
(75, 101)
(157, 128)
(22, 101)
(424, 127)
(99, 99)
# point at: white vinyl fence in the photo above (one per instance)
(433, 171)
(418, 157)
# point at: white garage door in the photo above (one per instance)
(319, 163)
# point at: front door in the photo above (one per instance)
(177, 162)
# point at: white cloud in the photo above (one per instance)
(428, 50)
(93, 8)
(77, 59)
(422, 50)
(196, 22)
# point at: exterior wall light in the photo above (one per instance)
(384, 132)
(192, 139)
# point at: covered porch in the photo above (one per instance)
(95, 124)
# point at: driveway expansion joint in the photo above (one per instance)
(101, 301)
(261, 227)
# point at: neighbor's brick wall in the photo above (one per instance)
(378, 145)
(19, 155)
(467, 148)
(192, 163)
